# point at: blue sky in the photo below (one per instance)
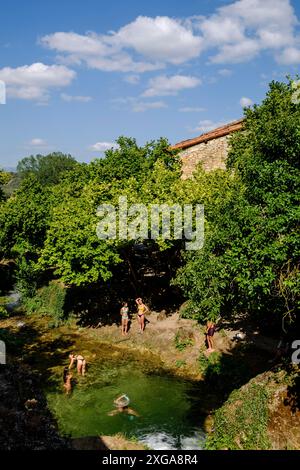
(79, 74)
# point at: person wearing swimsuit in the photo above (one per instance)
(81, 363)
(67, 378)
(125, 318)
(141, 313)
(210, 331)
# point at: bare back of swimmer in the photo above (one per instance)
(67, 378)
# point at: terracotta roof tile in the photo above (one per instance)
(214, 134)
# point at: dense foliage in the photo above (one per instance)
(48, 225)
(47, 169)
(250, 260)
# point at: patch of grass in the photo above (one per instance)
(12, 341)
(3, 312)
(180, 363)
(241, 423)
(210, 365)
(222, 333)
(182, 342)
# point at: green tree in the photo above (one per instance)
(24, 219)
(250, 260)
(48, 225)
(130, 160)
(4, 179)
(48, 169)
(72, 249)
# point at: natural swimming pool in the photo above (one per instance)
(168, 407)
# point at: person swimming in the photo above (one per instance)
(67, 379)
(81, 363)
(121, 404)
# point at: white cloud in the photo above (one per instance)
(207, 125)
(225, 72)
(235, 32)
(191, 109)
(243, 28)
(244, 101)
(101, 52)
(37, 142)
(102, 146)
(219, 29)
(163, 85)
(159, 40)
(81, 99)
(258, 14)
(121, 62)
(34, 82)
(137, 105)
(141, 106)
(132, 79)
(289, 56)
(235, 53)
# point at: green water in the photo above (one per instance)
(167, 407)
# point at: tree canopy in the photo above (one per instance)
(48, 169)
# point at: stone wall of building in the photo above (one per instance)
(212, 154)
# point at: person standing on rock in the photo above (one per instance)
(210, 331)
(142, 309)
(125, 318)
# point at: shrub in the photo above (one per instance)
(183, 339)
(3, 312)
(241, 423)
(49, 300)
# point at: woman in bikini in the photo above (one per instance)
(125, 318)
(142, 309)
(81, 363)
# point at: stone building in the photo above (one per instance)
(210, 148)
